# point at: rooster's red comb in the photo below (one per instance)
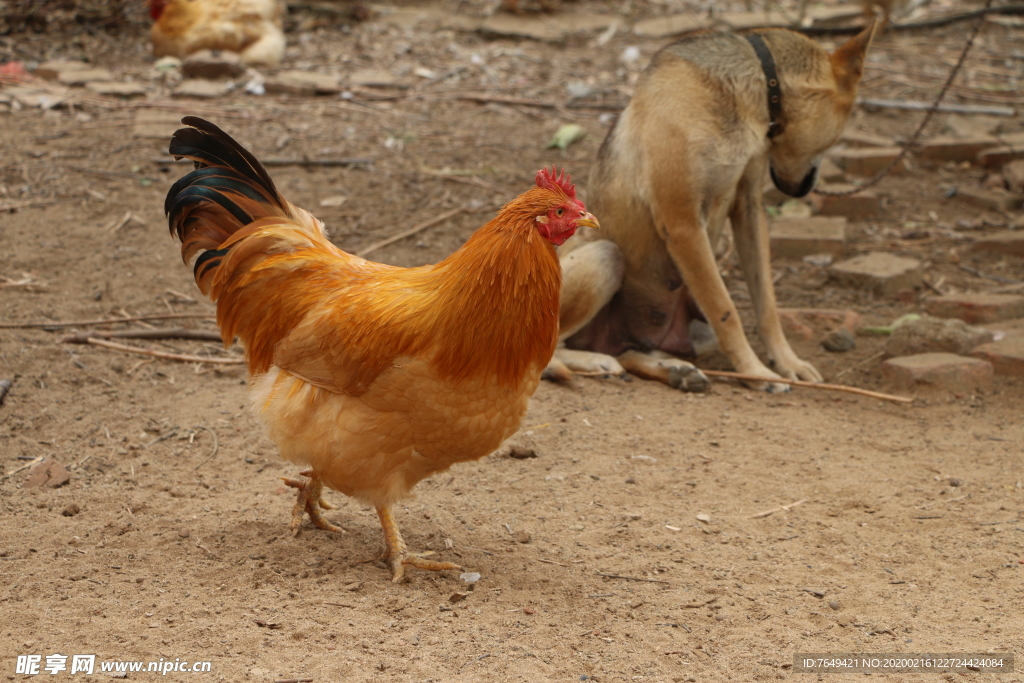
(556, 181)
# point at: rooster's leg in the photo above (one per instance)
(397, 555)
(309, 501)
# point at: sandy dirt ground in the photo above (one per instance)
(828, 523)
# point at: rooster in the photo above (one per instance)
(251, 28)
(372, 376)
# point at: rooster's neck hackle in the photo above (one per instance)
(505, 282)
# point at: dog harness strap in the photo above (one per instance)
(776, 124)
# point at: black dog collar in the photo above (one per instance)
(776, 125)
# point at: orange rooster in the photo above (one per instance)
(372, 376)
(252, 28)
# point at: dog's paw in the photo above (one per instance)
(796, 368)
(686, 377)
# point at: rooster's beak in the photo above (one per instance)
(588, 221)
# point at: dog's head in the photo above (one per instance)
(818, 94)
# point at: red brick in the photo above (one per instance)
(879, 271)
(798, 237)
(976, 308)
(996, 157)
(857, 206)
(1006, 242)
(991, 200)
(945, 371)
(867, 161)
(1005, 355)
(811, 323)
(955, 149)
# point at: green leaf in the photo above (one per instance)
(566, 135)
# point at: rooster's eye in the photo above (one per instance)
(559, 212)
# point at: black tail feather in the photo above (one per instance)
(208, 145)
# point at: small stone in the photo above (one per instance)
(1005, 355)
(991, 200)
(1013, 172)
(183, 533)
(202, 89)
(71, 510)
(213, 65)
(976, 308)
(955, 149)
(470, 577)
(83, 76)
(1004, 242)
(47, 473)
(944, 371)
(955, 481)
(354, 586)
(839, 341)
(867, 161)
(529, 610)
(798, 237)
(880, 272)
(116, 89)
(719, 616)
(856, 206)
(522, 536)
(834, 604)
(457, 597)
(704, 518)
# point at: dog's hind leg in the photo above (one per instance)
(750, 233)
(591, 274)
(666, 368)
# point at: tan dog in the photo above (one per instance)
(692, 149)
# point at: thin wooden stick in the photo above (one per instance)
(216, 447)
(781, 508)
(631, 578)
(176, 333)
(809, 385)
(88, 323)
(161, 354)
(411, 231)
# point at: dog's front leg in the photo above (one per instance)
(750, 233)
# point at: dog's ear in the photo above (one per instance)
(848, 59)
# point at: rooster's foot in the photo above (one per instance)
(309, 501)
(398, 556)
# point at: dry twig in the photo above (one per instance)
(176, 333)
(631, 578)
(216, 447)
(809, 385)
(411, 231)
(162, 354)
(108, 321)
(781, 508)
